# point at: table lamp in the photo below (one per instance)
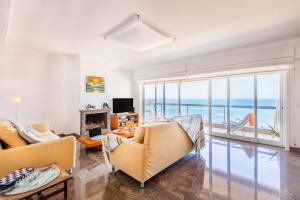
(16, 100)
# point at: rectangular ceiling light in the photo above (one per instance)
(136, 35)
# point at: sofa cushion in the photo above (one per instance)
(10, 136)
(139, 134)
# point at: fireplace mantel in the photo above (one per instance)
(83, 117)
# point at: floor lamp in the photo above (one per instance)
(16, 100)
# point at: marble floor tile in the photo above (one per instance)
(226, 169)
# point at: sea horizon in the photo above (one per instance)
(266, 116)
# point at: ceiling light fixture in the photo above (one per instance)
(136, 35)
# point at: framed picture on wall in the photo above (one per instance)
(95, 84)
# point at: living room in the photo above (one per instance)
(230, 69)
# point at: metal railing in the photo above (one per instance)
(189, 106)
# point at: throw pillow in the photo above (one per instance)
(139, 134)
(10, 136)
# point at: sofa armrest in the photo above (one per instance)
(60, 151)
(130, 158)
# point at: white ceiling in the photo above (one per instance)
(200, 26)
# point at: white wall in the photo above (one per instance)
(118, 83)
(38, 79)
(72, 92)
(52, 87)
(270, 54)
(48, 84)
(4, 19)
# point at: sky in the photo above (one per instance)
(242, 87)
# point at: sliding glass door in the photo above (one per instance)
(241, 118)
(159, 101)
(246, 107)
(149, 102)
(268, 107)
(219, 106)
(194, 99)
(171, 99)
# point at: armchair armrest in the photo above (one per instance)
(60, 151)
(130, 158)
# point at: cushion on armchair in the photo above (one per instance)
(10, 136)
(33, 136)
(43, 136)
(41, 127)
(4, 123)
(139, 134)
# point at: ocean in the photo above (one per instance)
(239, 109)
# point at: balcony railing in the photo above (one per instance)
(185, 109)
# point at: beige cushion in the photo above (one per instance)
(41, 127)
(139, 134)
(11, 137)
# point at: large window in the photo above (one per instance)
(219, 105)
(268, 106)
(194, 98)
(240, 106)
(149, 102)
(171, 99)
(159, 100)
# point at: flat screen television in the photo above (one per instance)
(121, 105)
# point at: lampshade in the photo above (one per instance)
(16, 99)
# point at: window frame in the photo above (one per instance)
(227, 77)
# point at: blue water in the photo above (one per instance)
(265, 117)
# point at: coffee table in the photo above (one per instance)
(63, 178)
(88, 143)
(124, 133)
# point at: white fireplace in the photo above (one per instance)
(94, 118)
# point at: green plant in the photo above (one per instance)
(274, 130)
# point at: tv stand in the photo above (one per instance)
(119, 120)
(122, 113)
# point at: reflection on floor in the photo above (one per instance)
(226, 169)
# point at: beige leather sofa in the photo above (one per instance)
(61, 152)
(163, 144)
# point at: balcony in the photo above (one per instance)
(240, 122)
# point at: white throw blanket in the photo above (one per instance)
(110, 142)
(193, 127)
(32, 135)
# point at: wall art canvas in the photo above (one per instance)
(95, 84)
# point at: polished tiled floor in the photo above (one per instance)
(226, 169)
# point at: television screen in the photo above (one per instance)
(121, 105)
